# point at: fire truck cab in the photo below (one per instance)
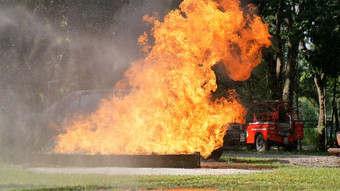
(273, 123)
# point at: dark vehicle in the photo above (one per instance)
(235, 136)
(37, 131)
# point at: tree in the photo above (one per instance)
(272, 13)
(284, 21)
(315, 25)
(321, 21)
(294, 36)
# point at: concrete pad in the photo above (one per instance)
(140, 171)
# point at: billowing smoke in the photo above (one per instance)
(27, 63)
(46, 54)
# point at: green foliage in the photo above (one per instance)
(310, 114)
(322, 31)
(256, 88)
(314, 24)
(309, 109)
(306, 86)
(311, 137)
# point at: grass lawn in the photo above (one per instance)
(282, 177)
(280, 152)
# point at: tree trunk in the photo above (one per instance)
(275, 64)
(335, 114)
(271, 72)
(289, 83)
(291, 65)
(320, 82)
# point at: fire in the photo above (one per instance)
(169, 109)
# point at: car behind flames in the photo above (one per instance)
(37, 130)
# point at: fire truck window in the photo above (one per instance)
(73, 107)
(270, 109)
(282, 114)
(89, 103)
(62, 105)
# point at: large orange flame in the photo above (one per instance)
(169, 108)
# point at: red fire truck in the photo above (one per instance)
(269, 123)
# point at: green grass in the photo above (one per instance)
(252, 162)
(281, 152)
(282, 178)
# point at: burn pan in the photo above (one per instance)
(147, 161)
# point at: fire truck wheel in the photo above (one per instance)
(261, 144)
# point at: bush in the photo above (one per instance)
(311, 137)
